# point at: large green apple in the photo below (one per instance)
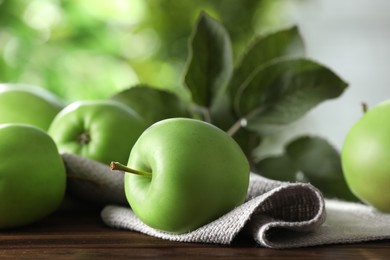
(101, 130)
(189, 173)
(365, 157)
(32, 175)
(28, 105)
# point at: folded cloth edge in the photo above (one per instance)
(261, 234)
(224, 229)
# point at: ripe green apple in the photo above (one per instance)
(365, 157)
(32, 175)
(188, 173)
(101, 130)
(28, 105)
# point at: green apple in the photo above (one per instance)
(32, 175)
(187, 173)
(28, 105)
(101, 130)
(365, 157)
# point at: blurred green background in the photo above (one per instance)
(91, 49)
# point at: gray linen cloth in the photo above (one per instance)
(275, 214)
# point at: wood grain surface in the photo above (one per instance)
(82, 235)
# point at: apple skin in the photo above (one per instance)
(198, 172)
(101, 130)
(32, 175)
(365, 157)
(27, 104)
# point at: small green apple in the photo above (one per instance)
(188, 173)
(27, 104)
(32, 175)
(101, 130)
(365, 157)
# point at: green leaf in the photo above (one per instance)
(210, 62)
(284, 90)
(280, 168)
(153, 104)
(320, 163)
(316, 157)
(309, 159)
(223, 116)
(284, 43)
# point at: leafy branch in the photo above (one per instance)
(272, 84)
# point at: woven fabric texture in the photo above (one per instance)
(275, 214)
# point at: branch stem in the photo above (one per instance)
(242, 122)
(120, 167)
(206, 115)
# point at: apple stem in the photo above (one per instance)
(120, 167)
(364, 107)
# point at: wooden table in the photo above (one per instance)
(82, 235)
